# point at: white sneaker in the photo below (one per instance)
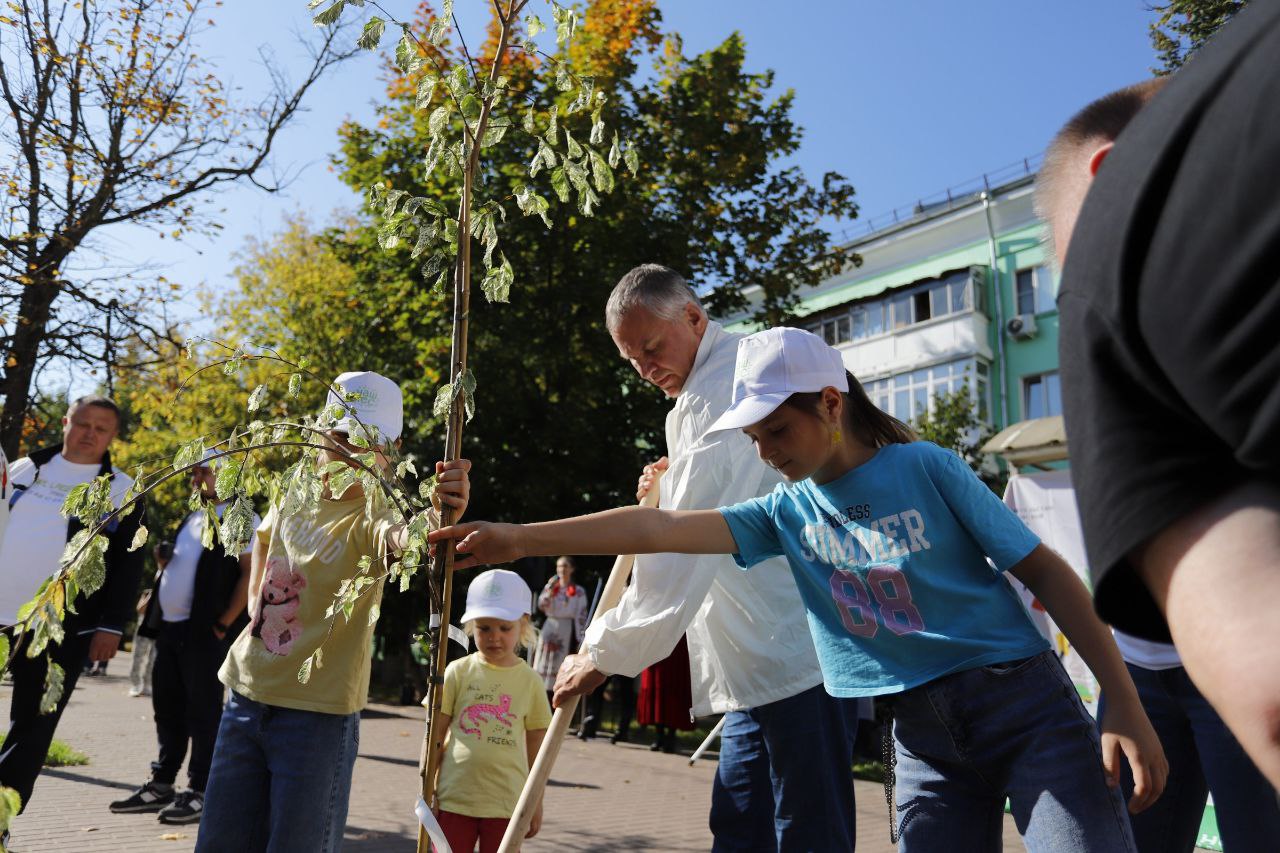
(136, 691)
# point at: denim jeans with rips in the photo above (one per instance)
(281, 780)
(968, 740)
(785, 777)
(1203, 756)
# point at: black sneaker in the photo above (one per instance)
(151, 797)
(186, 808)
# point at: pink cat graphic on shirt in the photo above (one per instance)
(480, 712)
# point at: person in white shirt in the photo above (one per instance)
(786, 748)
(565, 605)
(31, 552)
(197, 611)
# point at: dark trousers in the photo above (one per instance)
(187, 699)
(624, 692)
(784, 782)
(31, 732)
(1203, 756)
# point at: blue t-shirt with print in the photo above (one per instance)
(891, 561)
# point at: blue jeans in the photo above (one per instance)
(280, 781)
(1203, 756)
(1018, 729)
(785, 779)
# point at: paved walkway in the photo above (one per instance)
(601, 798)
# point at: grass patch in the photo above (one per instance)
(872, 771)
(61, 755)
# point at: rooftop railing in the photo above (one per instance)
(950, 198)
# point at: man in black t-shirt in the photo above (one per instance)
(1170, 356)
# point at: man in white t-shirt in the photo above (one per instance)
(196, 612)
(31, 552)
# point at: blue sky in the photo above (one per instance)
(904, 98)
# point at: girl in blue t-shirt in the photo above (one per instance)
(898, 551)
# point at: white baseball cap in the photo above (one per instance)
(498, 594)
(774, 364)
(377, 403)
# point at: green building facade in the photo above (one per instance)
(953, 293)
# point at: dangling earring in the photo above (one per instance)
(836, 438)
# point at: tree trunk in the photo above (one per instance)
(20, 361)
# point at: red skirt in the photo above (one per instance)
(665, 693)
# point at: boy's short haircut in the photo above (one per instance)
(1104, 120)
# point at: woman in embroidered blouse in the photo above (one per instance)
(565, 604)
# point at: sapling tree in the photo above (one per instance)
(471, 106)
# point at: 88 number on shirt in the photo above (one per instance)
(892, 605)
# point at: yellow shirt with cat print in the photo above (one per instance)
(486, 759)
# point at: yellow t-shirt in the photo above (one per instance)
(486, 760)
(308, 557)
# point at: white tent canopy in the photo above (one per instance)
(1031, 442)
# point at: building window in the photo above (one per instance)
(833, 330)
(951, 295)
(868, 320)
(1041, 396)
(908, 396)
(1034, 290)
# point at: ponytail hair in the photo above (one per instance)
(862, 418)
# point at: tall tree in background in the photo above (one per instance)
(1185, 25)
(113, 119)
(565, 423)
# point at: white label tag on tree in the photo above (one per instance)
(432, 826)
(455, 633)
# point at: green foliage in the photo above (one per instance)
(85, 560)
(53, 681)
(62, 755)
(954, 424)
(10, 804)
(1183, 26)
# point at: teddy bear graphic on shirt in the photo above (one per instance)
(276, 622)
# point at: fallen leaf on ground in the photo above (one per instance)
(174, 836)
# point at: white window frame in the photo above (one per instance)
(890, 392)
(1049, 380)
(1044, 294)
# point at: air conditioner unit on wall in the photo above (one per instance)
(1021, 327)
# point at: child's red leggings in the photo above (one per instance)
(462, 832)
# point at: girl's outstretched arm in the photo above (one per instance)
(1125, 728)
(630, 530)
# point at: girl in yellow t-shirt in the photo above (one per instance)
(495, 711)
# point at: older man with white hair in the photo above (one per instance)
(784, 778)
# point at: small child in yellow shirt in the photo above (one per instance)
(496, 713)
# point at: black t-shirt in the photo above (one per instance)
(1170, 310)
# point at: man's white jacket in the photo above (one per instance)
(749, 641)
